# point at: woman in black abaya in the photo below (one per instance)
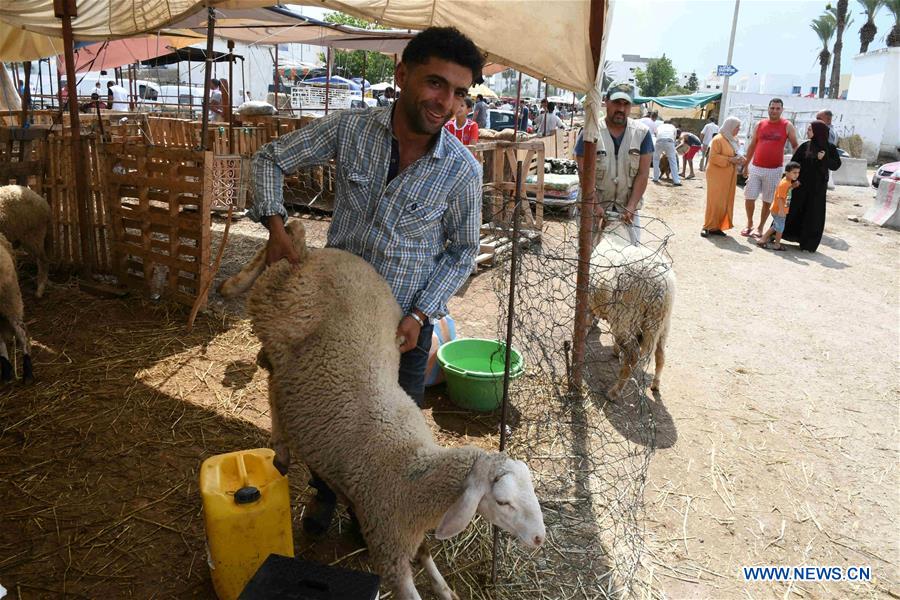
(806, 217)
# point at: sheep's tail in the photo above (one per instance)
(240, 283)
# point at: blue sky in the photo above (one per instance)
(772, 36)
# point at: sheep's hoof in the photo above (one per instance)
(655, 385)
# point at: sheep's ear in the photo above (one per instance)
(461, 513)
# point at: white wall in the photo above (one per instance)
(876, 77)
(868, 119)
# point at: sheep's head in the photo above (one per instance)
(500, 490)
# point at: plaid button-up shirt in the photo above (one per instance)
(420, 230)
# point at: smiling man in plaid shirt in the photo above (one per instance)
(407, 197)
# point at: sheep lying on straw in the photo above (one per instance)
(24, 219)
(12, 317)
(632, 289)
(337, 404)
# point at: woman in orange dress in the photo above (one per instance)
(721, 178)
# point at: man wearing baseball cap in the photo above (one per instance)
(624, 153)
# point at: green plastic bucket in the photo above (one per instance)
(474, 371)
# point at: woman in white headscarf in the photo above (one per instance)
(721, 178)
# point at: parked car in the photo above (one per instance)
(498, 120)
(888, 170)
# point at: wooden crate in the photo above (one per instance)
(499, 161)
(58, 186)
(21, 155)
(160, 201)
(173, 133)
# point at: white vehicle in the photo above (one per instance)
(147, 96)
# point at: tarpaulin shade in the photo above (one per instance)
(546, 40)
(687, 101)
(102, 56)
(279, 25)
(186, 54)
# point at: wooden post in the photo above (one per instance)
(327, 78)
(59, 87)
(518, 106)
(230, 106)
(177, 87)
(26, 92)
(210, 30)
(41, 80)
(586, 224)
(277, 77)
(66, 10)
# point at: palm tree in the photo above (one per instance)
(893, 38)
(824, 28)
(840, 24)
(868, 30)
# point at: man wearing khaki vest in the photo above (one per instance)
(624, 153)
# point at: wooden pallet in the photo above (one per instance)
(495, 242)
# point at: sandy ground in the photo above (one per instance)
(777, 443)
(781, 388)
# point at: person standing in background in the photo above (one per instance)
(707, 134)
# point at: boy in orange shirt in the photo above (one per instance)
(781, 204)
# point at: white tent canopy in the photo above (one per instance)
(554, 45)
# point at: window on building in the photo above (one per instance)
(717, 87)
(814, 89)
(795, 89)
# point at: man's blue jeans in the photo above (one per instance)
(667, 146)
(412, 366)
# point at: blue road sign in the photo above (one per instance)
(726, 70)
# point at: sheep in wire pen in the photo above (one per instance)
(589, 456)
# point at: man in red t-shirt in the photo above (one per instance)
(764, 166)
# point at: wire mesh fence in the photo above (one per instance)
(589, 452)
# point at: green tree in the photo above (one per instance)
(659, 75)
(893, 38)
(675, 90)
(379, 67)
(692, 84)
(824, 28)
(841, 22)
(868, 30)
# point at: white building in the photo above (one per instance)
(875, 78)
(623, 70)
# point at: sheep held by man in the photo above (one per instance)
(24, 219)
(12, 316)
(337, 404)
(633, 290)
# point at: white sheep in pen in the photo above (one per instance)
(12, 316)
(337, 404)
(24, 219)
(633, 290)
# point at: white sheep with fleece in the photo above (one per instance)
(632, 289)
(12, 316)
(24, 219)
(336, 402)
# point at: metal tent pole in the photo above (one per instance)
(66, 10)
(276, 79)
(327, 78)
(210, 31)
(26, 91)
(230, 107)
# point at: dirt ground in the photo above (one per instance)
(777, 446)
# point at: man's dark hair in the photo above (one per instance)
(214, 83)
(389, 92)
(446, 43)
(776, 101)
(711, 119)
(791, 166)
(95, 96)
(654, 115)
(109, 84)
(480, 98)
(551, 106)
(469, 103)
